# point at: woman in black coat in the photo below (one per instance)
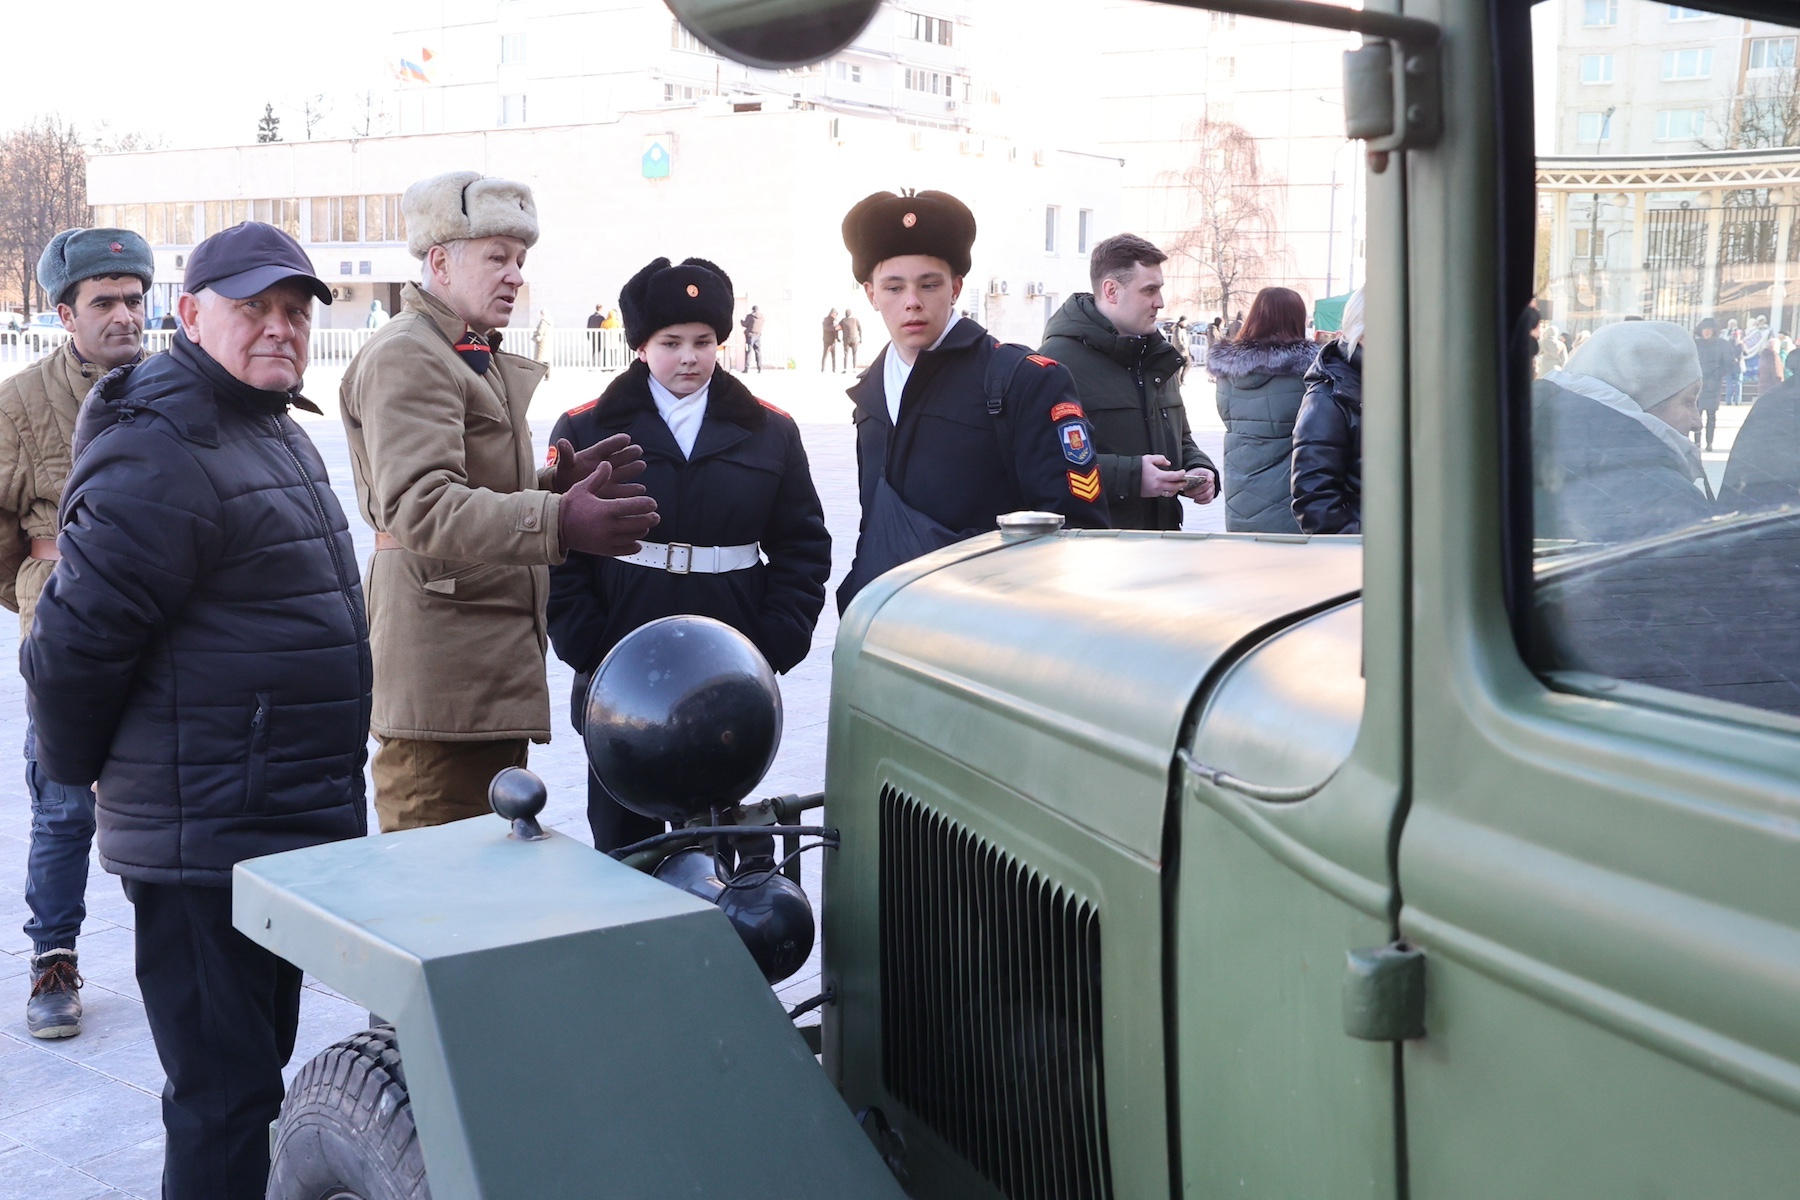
(730, 480)
(1260, 390)
(1326, 471)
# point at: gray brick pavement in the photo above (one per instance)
(80, 1118)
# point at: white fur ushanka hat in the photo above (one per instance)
(464, 204)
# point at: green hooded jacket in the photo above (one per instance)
(1130, 388)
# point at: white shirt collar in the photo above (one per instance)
(682, 414)
(896, 371)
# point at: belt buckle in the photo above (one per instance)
(687, 558)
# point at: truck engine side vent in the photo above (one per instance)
(990, 1003)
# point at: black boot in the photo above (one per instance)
(54, 1009)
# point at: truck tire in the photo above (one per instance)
(346, 1129)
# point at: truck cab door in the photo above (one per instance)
(1601, 859)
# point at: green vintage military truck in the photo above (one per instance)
(1452, 860)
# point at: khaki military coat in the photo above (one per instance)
(37, 424)
(444, 465)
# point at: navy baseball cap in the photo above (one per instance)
(241, 261)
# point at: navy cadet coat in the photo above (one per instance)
(959, 464)
(748, 481)
(202, 649)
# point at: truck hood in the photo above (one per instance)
(1077, 657)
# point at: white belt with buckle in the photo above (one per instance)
(679, 558)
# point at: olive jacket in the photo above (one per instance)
(443, 462)
(37, 420)
(1130, 388)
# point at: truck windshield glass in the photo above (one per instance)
(1665, 412)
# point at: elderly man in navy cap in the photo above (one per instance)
(201, 654)
(96, 278)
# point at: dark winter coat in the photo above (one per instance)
(1131, 390)
(1764, 469)
(1325, 473)
(959, 465)
(201, 649)
(1720, 359)
(1260, 388)
(1601, 476)
(748, 481)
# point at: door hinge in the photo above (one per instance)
(1393, 96)
(1384, 993)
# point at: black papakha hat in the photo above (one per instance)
(663, 294)
(241, 261)
(884, 226)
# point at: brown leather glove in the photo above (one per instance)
(594, 521)
(626, 457)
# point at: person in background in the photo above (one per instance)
(1325, 474)
(851, 329)
(97, 279)
(378, 316)
(745, 540)
(1769, 368)
(596, 321)
(167, 322)
(541, 340)
(1552, 352)
(1718, 359)
(831, 335)
(466, 523)
(1784, 350)
(1260, 388)
(612, 319)
(1237, 325)
(1128, 378)
(201, 656)
(1734, 378)
(1611, 456)
(753, 329)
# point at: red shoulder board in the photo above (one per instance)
(1040, 360)
(1065, 410)
(777, 411)
(581, 408)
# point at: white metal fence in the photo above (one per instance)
(581, 349)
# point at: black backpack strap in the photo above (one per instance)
(1003, 364)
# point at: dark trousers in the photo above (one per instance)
(224, 1013)
(850, 349)
(612, 823)
(56, 865)
(828, 353)
(753, 348)
(1710, 416)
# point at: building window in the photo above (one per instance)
(1772, 54)
(922, 28)
(1680, 124)
(1224, 20)
(512, 48)
(936, 82)
(1225, 68)
(1687, 64)
(1590, 244)
(681, 39)
(1592, 127)
(849, 72)
(1596, 68)
(1600, 12)
(1084, 230)
(1678, 12)
(1051, 215)
(512, 109)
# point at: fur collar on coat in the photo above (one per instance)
(1245, 358)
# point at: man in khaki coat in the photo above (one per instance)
(466, 524)
(96, 278)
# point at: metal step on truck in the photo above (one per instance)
(1459, 858)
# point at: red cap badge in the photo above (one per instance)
(909, 220)
(117, 248)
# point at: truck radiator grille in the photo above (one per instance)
(990, 1007)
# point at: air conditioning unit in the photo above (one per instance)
(968, 145)
(1034, 289)
(1005, 287)
(340, 293)
(993, 287)
(1037, 158)
(949, 106)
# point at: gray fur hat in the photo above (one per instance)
(77, 254)
(466, 204)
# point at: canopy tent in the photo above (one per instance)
(1328, 314)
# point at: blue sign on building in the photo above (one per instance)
(656, 156)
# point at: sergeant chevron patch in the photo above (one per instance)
(1085, 485)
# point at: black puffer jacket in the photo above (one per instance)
(1764, 469)
(1260, 390)
(747, 481)
(201, 649)
(1130, 388)
(1326, 470)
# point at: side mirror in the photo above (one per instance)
(775, 34)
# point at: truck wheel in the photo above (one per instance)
(346, 1130)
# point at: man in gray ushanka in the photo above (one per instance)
(467, 525)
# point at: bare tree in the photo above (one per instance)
(370, 116)
(107, 140)
(1764, 116)
(1230, 234)
(43, 191)
(313, 110)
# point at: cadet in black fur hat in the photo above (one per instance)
(745, 538)
(952, 428)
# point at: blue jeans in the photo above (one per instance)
(56, 868)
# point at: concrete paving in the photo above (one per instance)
(80, 1118)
